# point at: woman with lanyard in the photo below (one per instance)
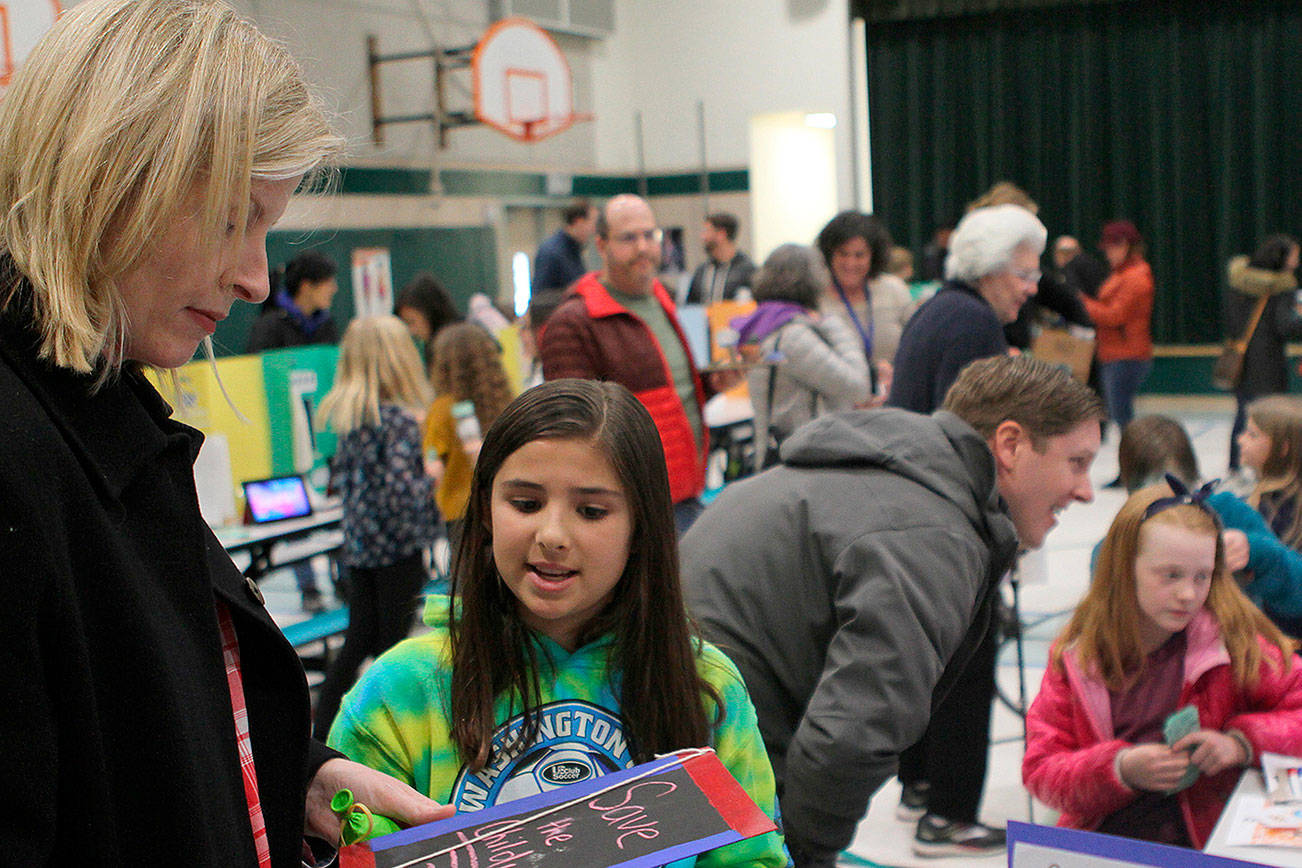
(874, 303)
(155, 714)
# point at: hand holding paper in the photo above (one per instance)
(1153, 767)
(1212, 751)
(382, 794)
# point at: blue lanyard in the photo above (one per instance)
(865, 334)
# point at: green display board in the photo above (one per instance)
(296, 379)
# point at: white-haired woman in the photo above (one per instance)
(154, 713)
(993, 267)
(817, 364)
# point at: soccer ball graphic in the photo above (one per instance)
(550, 769)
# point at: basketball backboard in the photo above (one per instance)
(522, 81)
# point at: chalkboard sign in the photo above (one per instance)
(671, 808)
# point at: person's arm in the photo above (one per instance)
(546, 268)
(566, 349)
(826, 358)
(1288, 324)
(1123, 302)
(1054, 294)
(1060, 771)
(380, 793)
(902, 608)
(696, 289)
(1272, 720)
(741, 751)
(1276, 568)
(30, 726)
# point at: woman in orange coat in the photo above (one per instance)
(1122, 314)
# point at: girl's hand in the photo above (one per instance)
(386, 796)
(1212, 751)
(1236, 549)
(1153, 767)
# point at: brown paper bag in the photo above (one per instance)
(1063, 348)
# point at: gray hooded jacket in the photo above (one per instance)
(842, 584)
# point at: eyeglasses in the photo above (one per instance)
(1032, 276)
(652, 236)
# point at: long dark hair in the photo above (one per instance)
(425, 295)
(653, 658)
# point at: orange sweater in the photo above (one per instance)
(1123, 313)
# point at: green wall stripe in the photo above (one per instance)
(603, 186)
(403, 182)
(479, 182)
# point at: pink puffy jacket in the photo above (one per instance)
(1071, 751)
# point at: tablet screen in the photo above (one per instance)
(277, 499)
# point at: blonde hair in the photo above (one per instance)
(1004, 193)
(125, 113)
(378, 364)
(468, 366)
(1280, 418)
(1104, 629)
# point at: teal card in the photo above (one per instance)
(1176, 727)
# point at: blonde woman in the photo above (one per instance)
(375, 406)
(154, 714)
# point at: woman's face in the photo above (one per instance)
(416, 322)
(1116, 252)
(187, 283)
(851, 261)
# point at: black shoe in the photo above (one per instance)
(937, 836)
(913, 802)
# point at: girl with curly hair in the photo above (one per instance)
(466, 368)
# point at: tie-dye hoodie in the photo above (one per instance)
(396, 720)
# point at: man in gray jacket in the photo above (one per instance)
(843, 582)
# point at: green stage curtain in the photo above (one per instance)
(1180, 116)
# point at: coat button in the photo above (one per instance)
(254, 591)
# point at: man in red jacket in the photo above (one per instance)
(619, 324)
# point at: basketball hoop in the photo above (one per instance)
(22, 25)
(522, 82)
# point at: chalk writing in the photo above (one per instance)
(604, 821)
(632, 819)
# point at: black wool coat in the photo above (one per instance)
(117, 733)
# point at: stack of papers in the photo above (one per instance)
(1275, 819)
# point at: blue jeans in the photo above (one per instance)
(1121, 381)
